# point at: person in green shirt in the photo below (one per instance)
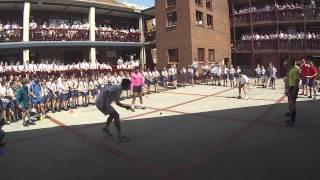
(22, 100)
(293, 90)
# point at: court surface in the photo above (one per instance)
(200, 132)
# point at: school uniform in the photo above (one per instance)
(232, 72)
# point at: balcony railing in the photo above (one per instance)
(102, 35)
(11, 35)
(59, 35)
(283, 16)
(295, 44)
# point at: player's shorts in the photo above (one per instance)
(137, 89)
(231, 77)
(225, 76)
(107, 109)
(36, 100)
(312, 83)
(293, 92)
(305, 80)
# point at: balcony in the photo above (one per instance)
(59, 35)
(105, 35)
(11, 35)
(275, 46)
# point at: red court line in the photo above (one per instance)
(153, 170)
(179, 171)
(188, 94)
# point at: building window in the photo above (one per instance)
(173, 55)
(198, 2)
(211, 55)
(199, 17)
(172, 19)
(210, 21)
(171, 3)
(201, 54)
(209, 4)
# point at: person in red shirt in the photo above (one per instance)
(304, 71)
(313, 74)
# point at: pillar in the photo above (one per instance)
(26, 28)
(141, 29)
(143, 57)
(92, 33)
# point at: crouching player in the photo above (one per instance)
(243, 85)
(108, 95)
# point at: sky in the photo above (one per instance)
(147, 3)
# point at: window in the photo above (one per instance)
(201, 54)
(198, 2)
(209, 4)
(199, 17)
(172, 19)
(211, 55)
(210, 21)
(173, 55)
(171, 3)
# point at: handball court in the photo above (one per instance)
(192, 133)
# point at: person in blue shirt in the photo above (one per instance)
(22, 100)
(35, 93)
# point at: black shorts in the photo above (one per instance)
(293, 92)
(305, 80)
(137, 89)
(311, 83)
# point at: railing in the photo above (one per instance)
(291, 15)
(150, 36)
(265, 44)
(11, 35)
(59, 35)
(283, 16)
(102, 35)
(294, 44)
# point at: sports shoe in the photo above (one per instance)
(238, 97)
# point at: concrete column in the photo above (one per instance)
(143, 57)
(93, 55)
(26, 30)
(141, 28)
(92, 33)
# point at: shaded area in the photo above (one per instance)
(216, 144)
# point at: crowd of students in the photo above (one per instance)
(286, 40)
(285, 12)
(66, 32)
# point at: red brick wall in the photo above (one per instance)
(188, 36)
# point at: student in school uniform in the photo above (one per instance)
(75, 92)
(258, 75)
(225, 72)
(156, 79)
(52, 97)
(66, 94)
(44, 93)
(165, 78)
(93, 92)
(184, 76)
(22, 100)
(11, 107)
(232, 73)
(4, 101)
(264, 78)
(35, 90)
(127, 78)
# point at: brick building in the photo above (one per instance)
(192, 29)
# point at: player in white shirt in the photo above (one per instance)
(243, 85)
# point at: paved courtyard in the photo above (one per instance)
(192, 133)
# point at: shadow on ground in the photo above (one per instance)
(246, 143)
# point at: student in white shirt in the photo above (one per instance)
(243, 85)
(165, 78)
(156, 79)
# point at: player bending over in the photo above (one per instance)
(108, 95)
(243, 84)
